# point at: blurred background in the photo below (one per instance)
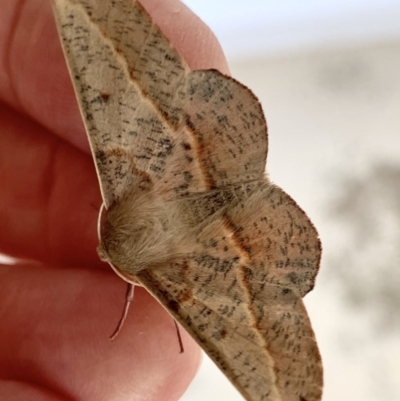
(328, 77)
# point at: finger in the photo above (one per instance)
(49, 200)
(34, 76)
(56, 337)
(49, 196)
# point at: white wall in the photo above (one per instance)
(253, 27)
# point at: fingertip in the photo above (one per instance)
(191, 37)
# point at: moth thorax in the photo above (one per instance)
(136, 234)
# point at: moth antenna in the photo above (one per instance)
(178, 333)
(128, 299)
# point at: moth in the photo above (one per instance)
(191, 214)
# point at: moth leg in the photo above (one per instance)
(128, 299)
(178, 333)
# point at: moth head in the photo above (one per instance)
(135, 234)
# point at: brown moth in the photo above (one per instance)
(191, 214)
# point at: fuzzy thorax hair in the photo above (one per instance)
(138, 233)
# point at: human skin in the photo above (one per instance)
(59, 303)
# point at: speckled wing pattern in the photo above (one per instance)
(240, 296)
(122, 65)
(200, 138)
(106, 66)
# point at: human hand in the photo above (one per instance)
(59, 304)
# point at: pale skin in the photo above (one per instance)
(55, 321)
